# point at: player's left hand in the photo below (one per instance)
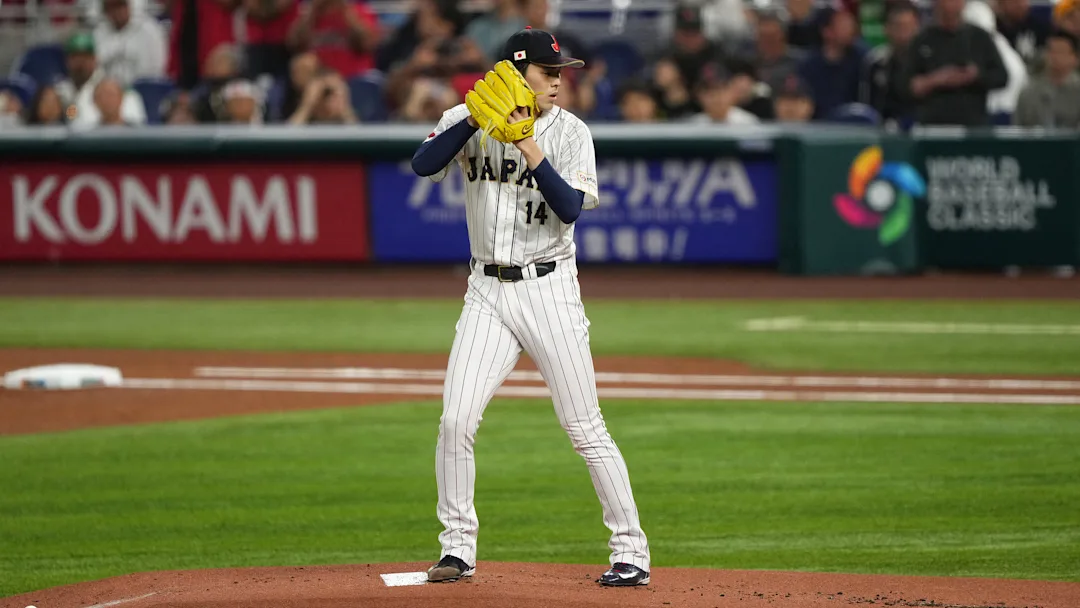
(519, 114)
(527, 144)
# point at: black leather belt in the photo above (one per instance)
(511, 274)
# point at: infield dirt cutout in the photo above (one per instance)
(183, 385)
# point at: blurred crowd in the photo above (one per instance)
(253, 62)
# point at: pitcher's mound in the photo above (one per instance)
(540, 585)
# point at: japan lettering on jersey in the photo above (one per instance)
(509, 221)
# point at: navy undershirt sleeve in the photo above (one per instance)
(564, 200)
(436, 153)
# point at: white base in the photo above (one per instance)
(404, 579)
(63, 376)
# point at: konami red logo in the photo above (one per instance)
(230, 211)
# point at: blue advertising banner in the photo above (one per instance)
(672, 210)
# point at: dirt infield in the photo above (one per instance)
(502, 585)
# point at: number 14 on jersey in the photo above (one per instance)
(541, 215)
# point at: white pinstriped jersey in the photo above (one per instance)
(509, 222)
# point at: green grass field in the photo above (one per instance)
(907, 489)
(689, 328)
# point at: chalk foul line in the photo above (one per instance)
(795, 381)
(802, 324)
(311, 386)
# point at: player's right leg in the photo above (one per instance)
(551, 323)
(485, 351)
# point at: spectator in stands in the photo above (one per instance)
(881, 85)
(239, 102)
(303, 69)
(773, 56)
(1052, 99)
(832, 70)
(1024, 30)
(267, 24)
(198, 27)
(129, 46)
(751, 94)
(11, 110)
(109, 101)
(674, 94)
(222, 67)
(1067, 16)
(399, 46)
(427, 99)
(951, 68)
(718, 97)
(1001, 101)
(243, 103)
(637, 102)
(342, 33)
(325, 101)
(792, 101)
(441, 54)
(691, 49)
(177, 109)
(93, 13)
(46, 109)
(77, 90)
(803, 30)
(431, 23)
(491, 30)
(724, 22)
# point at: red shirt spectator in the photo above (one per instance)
(342, 34)
(199, 26)
(275, 29)
(267, 27)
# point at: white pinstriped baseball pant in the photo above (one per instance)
(545, 317)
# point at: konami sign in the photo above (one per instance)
(225, 211)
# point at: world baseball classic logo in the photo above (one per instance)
(880, 195)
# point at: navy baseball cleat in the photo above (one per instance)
(448, 570)
(624, 575)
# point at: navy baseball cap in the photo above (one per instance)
(713, 74)
(688, 18)
(539, 47)
(791, 86)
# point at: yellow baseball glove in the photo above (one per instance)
(494, 98)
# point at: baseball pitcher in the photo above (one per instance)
(530, 168)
